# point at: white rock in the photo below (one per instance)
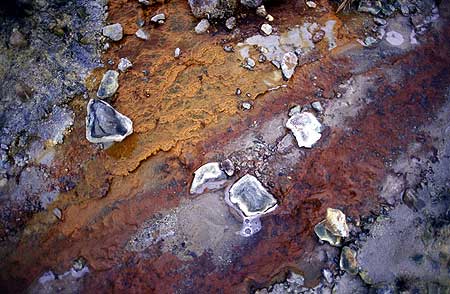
(261, 11)
(159, 18)
(114, 31)
(177, 52)
(108, 85)
(145, 2)
(141, 34)
(288, 64)
(202, 27)
(306, 129)
(394, 38)
(250, 196)
(336, 223)
(124, 64)
(266, 29)
(209, 176)
(311, 4)
(230, 23)
(269, 18)
(317, 106)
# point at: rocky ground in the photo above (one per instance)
(224, 146)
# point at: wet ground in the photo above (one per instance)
(127, 215)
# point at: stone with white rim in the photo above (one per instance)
(209, 176)
(141, 34)
(160, 18)
(124, 64)
(113, 31)
(266, 29)
(288, 64)
(306, 129)
(250, 196)
(104, 124)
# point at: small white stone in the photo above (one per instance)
(317, 106)
(230, 23)
(261, 11)
(311, 4)
(394, 38)
(269, 18)
(159, 18)
(336, 223)
(202, 27)
(114, 31)
(288, 64)
(144, 2)
(124, 64)
(141, 34)
(246, 105)
(306, 129)
(177, 52)
(266, 29)
(57, 212)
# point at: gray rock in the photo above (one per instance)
(348, 261)
(202, 27)
(57, 212)
(209, 176)
(328, 275)
(286, 144)
(17, 39)
(317, 106)
(227, 166)
(104, 124)
(230, 23)
(108, 85)
(249, 63)
(228, 48)
(288, 64)
(336, 223)
(250, 196)
(325, 235)
(371, 6)
(212, 8)
(276, 63)
(318, 36)
(114, 31)
(159, 18)
(251, 3)
(124, 64)
(141, 34)
(144, 2)
(379, 21)
(47, 277)
(306, 129)
(177, 52)
(311, 4)
(246, 105)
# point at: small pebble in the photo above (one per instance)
(261, 11)
(159, 18)
(228, 48)
(144, 2)
(249, 63)
(266, 29)
(276, 63)
(269, 18)
(317, 106)
(141, 34)
(17, 39)
(57, 212)
(295, 109)
(318, 36)
(379, 21)
(262, 58)
(238, 91)
(177, 52)
(230, 23)
(114, 31)
(246, 105)
(311, 4)
(202, 27)
(124, 64)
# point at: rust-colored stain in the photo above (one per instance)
(184, 111)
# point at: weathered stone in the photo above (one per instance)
(317, 106)
(286, 144)
(379, 21)
(228, 48)
(250, 196)
(269, 18)
(261, 11)
(394, 38)
(336, 223)
(266, 29)
(412, 200)
(104, 124)
(144, 2)
(159, 18)
(124, 64)
(108, 85)
(209, 176)
(227, 166)
(57, 212)
(251, 3)
(288, 64)
(370, 6)
(246, 105)
(318, 36)
(306, 129)
(141, 34)
(230, 23)
(328, 275)
(212, 8)
(325, 235)
(348, 261)
(17, 39)
(114, 31)
(249, 63)
(311, 4)
(202, 27)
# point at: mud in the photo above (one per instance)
(185, 113)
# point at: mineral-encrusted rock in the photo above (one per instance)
(108, 85)
(250, 196)
(306, 129)
(209, 176)
(202, 27)
(251, 3)
(230, 23)
(114, 31)
(325, 235)
(159, 18)
(124, 64)
(348, 261)
(141, 34)
(212, 8)
(288, 64)
(336, 223)
(104, 124)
